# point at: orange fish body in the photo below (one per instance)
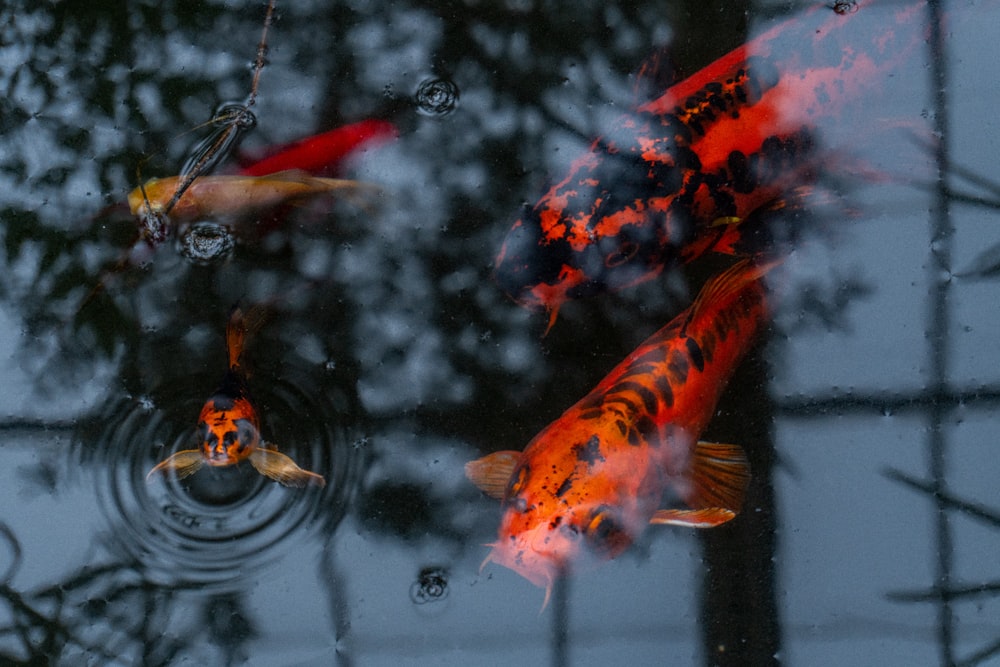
(229, 197)
(587, 486)
(679, 176)
(229, 427)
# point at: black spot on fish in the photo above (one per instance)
(222, 403)
(648, 397)
(694, 351)
(678, 366)
(566, 485)
(665, 390)
(645, 426)
(590, 451)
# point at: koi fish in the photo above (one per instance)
(227, 197)
(682, 174)
(321, 153)
(586, 487)
(229, 427)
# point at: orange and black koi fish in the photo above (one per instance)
(228, 426)
(587, 486)
(680, 176)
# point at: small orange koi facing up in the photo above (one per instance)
(225, 197)
(586, 487)
(229, 427)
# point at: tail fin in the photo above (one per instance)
(240, 328)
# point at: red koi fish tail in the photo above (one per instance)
(240, 328)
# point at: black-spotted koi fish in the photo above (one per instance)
(229, 427)
(680, 176)
(587, 486)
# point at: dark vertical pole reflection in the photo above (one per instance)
(560, 622)
(938, 326)
(739, 613)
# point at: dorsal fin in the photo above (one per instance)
(730, 281)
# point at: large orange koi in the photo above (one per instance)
(587, 486)
(681, 175)
(229, 427)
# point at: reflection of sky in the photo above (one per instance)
(848, 535)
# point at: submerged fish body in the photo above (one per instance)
(321, 153)
(229, 426)
(679, 176)
(230, 197)
(587, 486)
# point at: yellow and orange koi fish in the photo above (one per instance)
(586, 487)
(225, 197)
(229, 427)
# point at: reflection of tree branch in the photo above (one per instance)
(953, 593)
(948, 500)
(886, 402)
(979, 657)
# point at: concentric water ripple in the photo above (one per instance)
(214, 526)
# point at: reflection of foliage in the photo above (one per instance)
(948, 591)
(428, 326)
(91, 615)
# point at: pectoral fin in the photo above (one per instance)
(492, 472)
(709, 517)
(282, 469)
(720, 475)
(183, 463)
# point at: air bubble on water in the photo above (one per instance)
(436, 97)
(207, 243)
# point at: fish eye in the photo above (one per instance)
(605, 533)
(246, 434)
(517, 481)
(622, 255)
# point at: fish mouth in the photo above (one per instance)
(218, 458)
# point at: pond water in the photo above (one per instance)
(391, 357)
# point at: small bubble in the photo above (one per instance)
(430, 586)
(330, 366)
(437, 97)
(207, 243)
(146, 403)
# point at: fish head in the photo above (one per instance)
(542, 546)
(228, 430)
(564, 511)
